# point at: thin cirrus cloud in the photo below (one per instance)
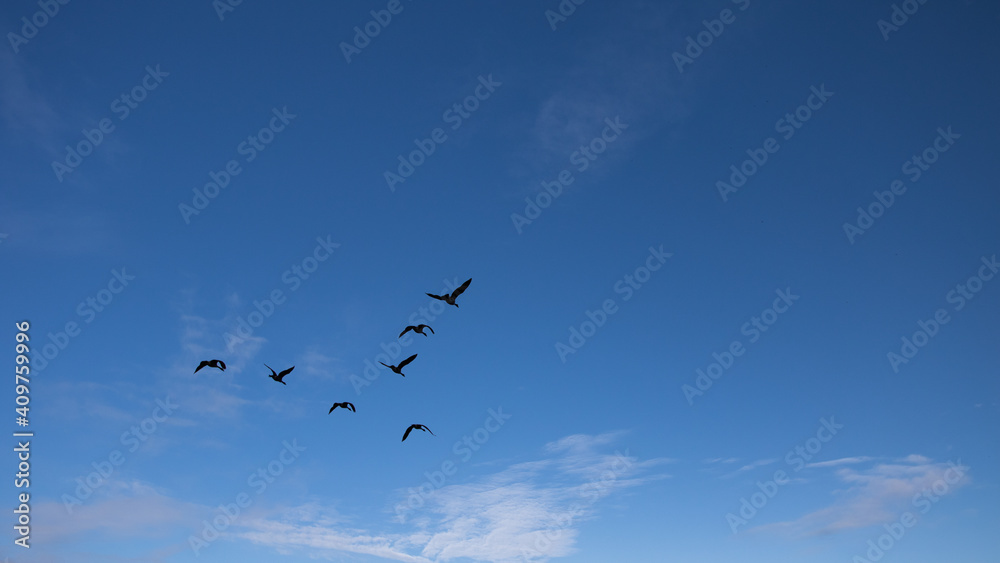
(59, 229)
(218, 395)
(496, 519)
(327, 541)
(504, 516)
(28, 115)
(201, 339)
(315, 363)
(873, 496)
(24, 111)
(120, 509)
(605, 82)
(749, 466)
(844, 461)
(202, 336)
(720, 460)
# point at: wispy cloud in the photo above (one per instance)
(60, 228)
(202, 337)
(24, 110)
(504, 516)
(610, 78)
(845, 461)
(749, 466)
(323, 539)
(873, 496)
(315, 363)
(714, 460)
(88, 400)
(120, 509)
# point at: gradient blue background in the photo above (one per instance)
(573, 422)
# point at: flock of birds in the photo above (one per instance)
(419, 329)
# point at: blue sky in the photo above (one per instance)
(752, 317)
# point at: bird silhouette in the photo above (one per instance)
(419, 329)
(278, 376)
(211, 364)
(416, 427)
(399, 369)
(344, 405)
(450, 299)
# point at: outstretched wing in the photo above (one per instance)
(461, 289)
(428, 429)
(274, 373)
(436, 296)
(351, 406)
(386, 365)
(406, 361)
(286, 372)
(407, 433)
(335, 405)
(405, 330)
(223, 364)
(428, 328)
(201, 365)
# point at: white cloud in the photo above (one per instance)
(874, 496)
(721, 460)
(316, 363)
(843, 461)
(528, 511)
(118, 509)
(749, 466)
(610, 78)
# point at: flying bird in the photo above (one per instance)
(419, 329)
(399, 369)
(450, 299)
(212, 364)
(417, 427)
(344, 405)
(277, 376)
